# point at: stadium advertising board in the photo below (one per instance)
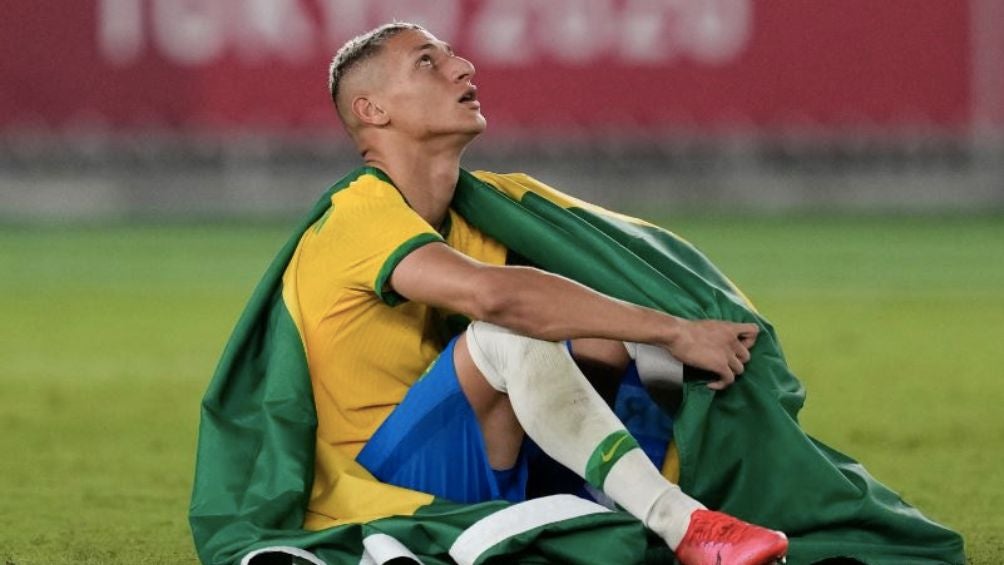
(562, 65)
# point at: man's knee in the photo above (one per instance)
(504, 356)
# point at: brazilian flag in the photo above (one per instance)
(741, 451)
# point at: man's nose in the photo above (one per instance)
(464, 69)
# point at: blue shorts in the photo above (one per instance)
(432, 443)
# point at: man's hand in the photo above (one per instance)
(719, 347)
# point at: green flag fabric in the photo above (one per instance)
(741, 451)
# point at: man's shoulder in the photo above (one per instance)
(366, 211)
(365, 185)
(365, 196)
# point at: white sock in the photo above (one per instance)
(656, 366)
(569, 420)
(667, 513)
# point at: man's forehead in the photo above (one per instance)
(395, 53)
(413, 40)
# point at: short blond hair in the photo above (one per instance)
(360, 48)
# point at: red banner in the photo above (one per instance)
(560, 65)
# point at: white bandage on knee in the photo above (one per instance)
(569, 420)
(656, 366)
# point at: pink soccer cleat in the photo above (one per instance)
(715, 538)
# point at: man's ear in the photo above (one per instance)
(369, 112)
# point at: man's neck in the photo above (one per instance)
(426, 176)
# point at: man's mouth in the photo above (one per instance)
(470, 95)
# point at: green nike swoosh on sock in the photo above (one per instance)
(606, 455)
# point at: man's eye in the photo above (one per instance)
(425, 60)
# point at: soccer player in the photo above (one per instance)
(380, 278)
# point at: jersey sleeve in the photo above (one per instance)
(366, 237)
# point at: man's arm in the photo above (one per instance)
(553, 308)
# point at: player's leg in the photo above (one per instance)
(502, 432)
(602, 361)
(567, 418)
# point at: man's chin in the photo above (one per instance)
(480, 124)
(467, 131)
(472, 130)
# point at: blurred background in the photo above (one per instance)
(219, 108)
(841, 160)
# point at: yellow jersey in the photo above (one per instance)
(365, 344)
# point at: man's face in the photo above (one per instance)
(428, 90)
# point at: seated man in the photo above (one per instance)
(421, 404)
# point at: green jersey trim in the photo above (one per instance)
(380, 285)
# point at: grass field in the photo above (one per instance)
(108, 337)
